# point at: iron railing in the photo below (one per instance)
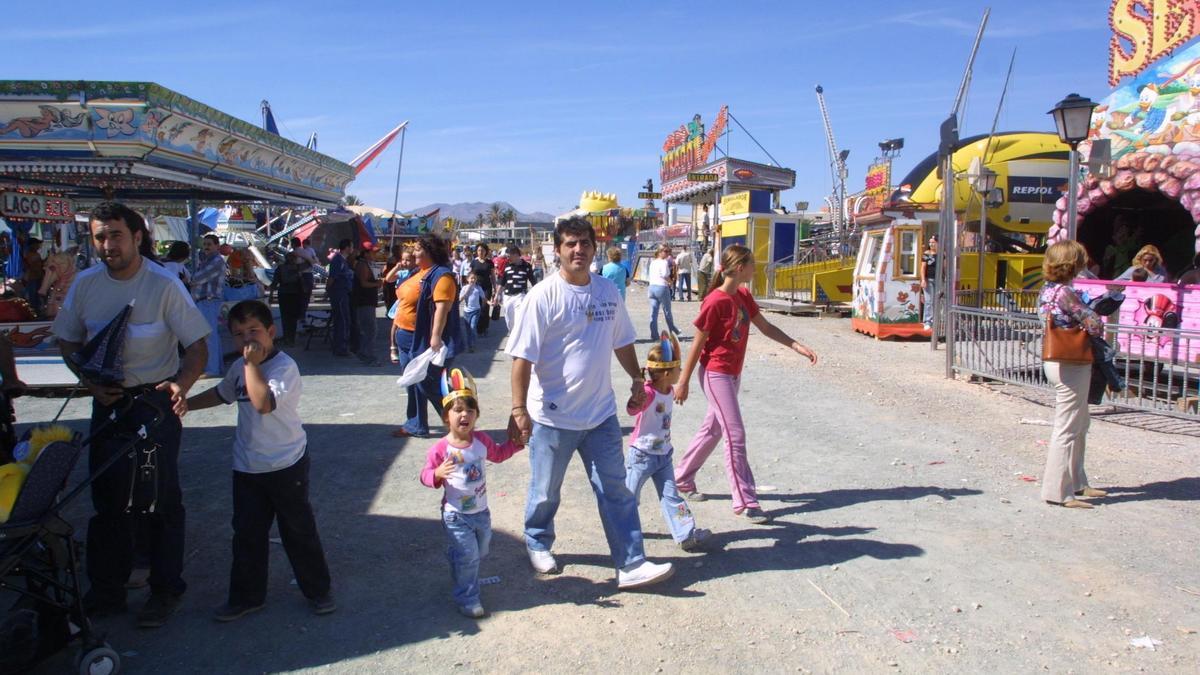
(1161, 366)
(999, 299)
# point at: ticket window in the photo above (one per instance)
(908, 252)
(869, 257)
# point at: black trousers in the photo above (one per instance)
(485, 316)
(259, 499)
(126, 492)
(290, 305)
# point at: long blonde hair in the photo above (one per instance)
(731, 257)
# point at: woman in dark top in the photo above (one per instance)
(485, 275)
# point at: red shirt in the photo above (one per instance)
(500, 261)
(726, 319)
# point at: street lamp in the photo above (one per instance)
(983, 181)
(1073, 119)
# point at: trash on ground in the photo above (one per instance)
(936, 462)
(488, 581)
(767, 488)
(1145, 642)
(904, 636)
(1035, 422)
(1028, 479)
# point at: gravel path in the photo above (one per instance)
(905, 539)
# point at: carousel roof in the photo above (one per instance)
(138, 141)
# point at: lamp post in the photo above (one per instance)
(983, 181)
(1073, 119)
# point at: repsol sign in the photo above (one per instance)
(1035, 189)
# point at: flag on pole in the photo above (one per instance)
(269, 118)
(312, 141)
(367, 156)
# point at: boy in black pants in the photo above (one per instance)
(270, 467)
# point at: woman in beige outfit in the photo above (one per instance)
(1065, 479)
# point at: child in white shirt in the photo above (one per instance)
(472, 300)
(270, 467)
(456, 464)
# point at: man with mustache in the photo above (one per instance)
(562, 343)
(162, 318)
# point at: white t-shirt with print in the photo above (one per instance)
(569, 333)
(660, 272)
(652, 430)
(276, 440)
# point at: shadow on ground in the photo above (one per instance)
(1178, 490)
(390, 576)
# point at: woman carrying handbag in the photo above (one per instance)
(1067, 362)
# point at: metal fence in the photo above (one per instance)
(1161, 366)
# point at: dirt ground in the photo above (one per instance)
(905, 538)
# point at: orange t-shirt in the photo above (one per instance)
(409, 294)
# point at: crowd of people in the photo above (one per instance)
(564, 325)
(564, 328)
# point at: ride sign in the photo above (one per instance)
(703, 177)
(37, 207)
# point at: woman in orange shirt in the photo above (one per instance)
(426, 318)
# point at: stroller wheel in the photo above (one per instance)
(101, 660)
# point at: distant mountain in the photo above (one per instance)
(467, 211)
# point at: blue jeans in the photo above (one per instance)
(468, 537)
(660, 296)
(685, 279)
(642, 466)
(426, 391)
(471, 319)
(339, 313)
(211, 309)
(550, 452)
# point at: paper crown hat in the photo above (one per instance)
(457, 383)
(668, 348)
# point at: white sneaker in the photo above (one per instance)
(543, 561)
(643, 573)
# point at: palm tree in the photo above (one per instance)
(351, 200)
(478, 220)
(508, 216)
(494, 214)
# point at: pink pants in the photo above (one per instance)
(723, 417)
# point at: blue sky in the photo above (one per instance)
(535, 102)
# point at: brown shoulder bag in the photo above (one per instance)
(1066, 345)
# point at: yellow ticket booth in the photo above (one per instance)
(747, 219)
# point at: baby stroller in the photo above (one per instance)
(39, 562)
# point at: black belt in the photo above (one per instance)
(142, 388)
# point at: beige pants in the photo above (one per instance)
(1064, 463)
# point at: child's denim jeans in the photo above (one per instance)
(643, 466)
(471, 319)
(468, 535)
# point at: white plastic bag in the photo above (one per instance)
(416, 369)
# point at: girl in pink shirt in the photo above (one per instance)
(650, 451)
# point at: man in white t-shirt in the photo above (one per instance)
(142, 487)
(562, 344)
